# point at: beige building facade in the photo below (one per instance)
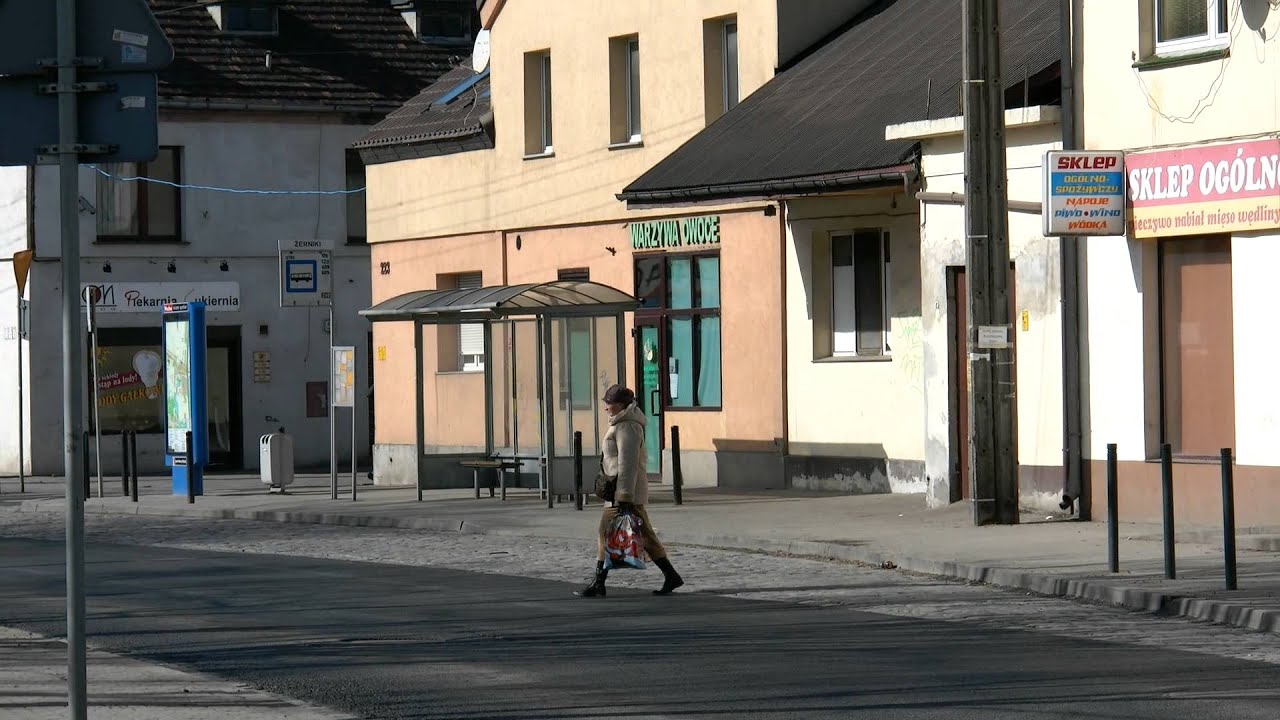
(575, 101)
(1179, 345)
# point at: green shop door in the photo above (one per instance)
(649, 393)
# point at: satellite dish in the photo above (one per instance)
(480, 54)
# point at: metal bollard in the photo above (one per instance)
(191, 481)
(84, 455)
(1166, 488)
(677, 475)
(1113, 512)
(577, 469)
(1228, 520)
(133, 465)
(124, 463)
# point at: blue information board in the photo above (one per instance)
(185, 401)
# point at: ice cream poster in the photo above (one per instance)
(130, 386)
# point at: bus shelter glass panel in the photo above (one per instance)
(453, 421)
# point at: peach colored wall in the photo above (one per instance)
(751, 287)
(490, 189)
(454, 401)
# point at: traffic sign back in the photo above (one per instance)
(125, 118)
(122, 33)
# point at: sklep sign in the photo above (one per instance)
(1084, 193)
(1226, 187)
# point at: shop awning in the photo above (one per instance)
(562, 298)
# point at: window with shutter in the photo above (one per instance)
(471, 336)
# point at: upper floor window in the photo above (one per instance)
(138, 210)
(1190, 24)
(624, 90)
(537, 103)
(250, 18)
(446, 22)
(720, 65)
(356, 215)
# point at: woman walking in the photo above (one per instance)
(624, 459)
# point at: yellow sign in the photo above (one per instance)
(382, 352)
(21, 266)
(1026, 321)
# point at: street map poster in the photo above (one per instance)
(177, 382)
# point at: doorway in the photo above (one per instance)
(226, 427)
(649, 392)
(961, 374)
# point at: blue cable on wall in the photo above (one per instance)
(210, 188)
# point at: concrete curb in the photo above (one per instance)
(1082, 589)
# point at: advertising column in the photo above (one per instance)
(185, 410)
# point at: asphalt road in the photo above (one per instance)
(391, 641)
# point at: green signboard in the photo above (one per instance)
(694, 232)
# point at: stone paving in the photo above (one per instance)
(748, 575)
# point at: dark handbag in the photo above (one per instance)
(606, 485)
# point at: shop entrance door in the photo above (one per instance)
(649, 393)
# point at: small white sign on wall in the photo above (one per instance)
(993, 337)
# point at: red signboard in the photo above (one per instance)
(1226, 187)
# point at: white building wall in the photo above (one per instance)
(244, 230)
(871, 408)
(1128, 108)
(1037, 292)
(13, 237)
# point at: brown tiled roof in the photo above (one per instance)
(350, 55)
(426, 119)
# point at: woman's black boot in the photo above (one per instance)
(596, 588)
(670, 578)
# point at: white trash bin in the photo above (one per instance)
(276, 459)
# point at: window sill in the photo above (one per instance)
(459, 372)
(627, 144)
(541, 155)
(133, 240)
(855, 359)
(1190, 57)
(716, 408)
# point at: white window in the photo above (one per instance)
(1182, 25)
(471, 336)
(859, 293)
(633, 89)
(538, 137)
(729, 63)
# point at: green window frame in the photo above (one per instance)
(681, 292)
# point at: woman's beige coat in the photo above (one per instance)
(624, 455)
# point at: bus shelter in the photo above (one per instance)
(507, 375)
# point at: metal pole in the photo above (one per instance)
(191, 466)
(72, 380)
(353, 450)
(419, 410)
(1166, 488)
(84, 457)
(333, 420)
(1113, 512)
(22, 450)
(133, 465)
(93, 369)
(124, 463)
(1228, 520)
(677, 475)
(577, 469)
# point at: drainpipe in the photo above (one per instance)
(1073, 490)
(786, 385)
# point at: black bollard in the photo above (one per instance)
(677, 475)
(84, 454)
(1113, 512)
(124, 463)
(1228, 520)
(133, 465)
(1166, 487)
(577, 469)
(191, 481)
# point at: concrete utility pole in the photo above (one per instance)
(993, 465)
